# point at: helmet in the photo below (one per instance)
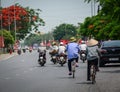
(61, 43)
(82, 42)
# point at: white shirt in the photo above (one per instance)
(54, 48)
(83, 46)
(61, 49)
(42, 49)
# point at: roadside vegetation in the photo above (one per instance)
(18, 21)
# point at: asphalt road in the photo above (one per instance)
(22, 73)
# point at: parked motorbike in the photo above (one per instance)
(42, 59)
(83, 55)
(62, 59)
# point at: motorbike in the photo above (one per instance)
(19, 51)
(30, 50)
(24, 50)
(62, 59)
(54, 56)
(83, 55)
(42, 59)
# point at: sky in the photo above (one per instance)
(56, 12)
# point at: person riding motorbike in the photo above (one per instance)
(30, 49)
(83, 47)
(54, 49)
(42, 52)
(61, 50)
(19, 50)
(72, 50)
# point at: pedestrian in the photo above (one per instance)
(92, 55)
(73, 50)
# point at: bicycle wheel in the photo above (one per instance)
(93, 74)
(73, 69)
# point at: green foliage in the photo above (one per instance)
(8, 38)
(34, 21)
(33, 38)
(38, 38)
(115, 32)
(26, 20)
(105, 25)
(64, 31)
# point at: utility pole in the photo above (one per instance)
(1, 24)
(93, 7)
(15, 22)
(1, 14)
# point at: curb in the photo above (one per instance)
(6, 56)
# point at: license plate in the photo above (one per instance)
(41, 57)
(113, 59)
(61, 58)
(54, 57)
(83, 55)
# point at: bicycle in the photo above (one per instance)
(93, 73)
(73, 68)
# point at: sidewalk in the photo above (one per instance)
(7, 56)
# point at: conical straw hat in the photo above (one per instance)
(92, 42)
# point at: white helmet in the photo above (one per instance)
(83, 42)
(61, 43)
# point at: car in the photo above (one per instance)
(109, 52)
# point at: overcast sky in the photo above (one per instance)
(55, 12)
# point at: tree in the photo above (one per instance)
(38, 38)
(64, 31)
(8, 38)
(104, 25)
(24, 18)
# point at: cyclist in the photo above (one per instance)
(92, 55)
(72, 49)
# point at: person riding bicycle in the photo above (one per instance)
(92, 55)
(72, 50)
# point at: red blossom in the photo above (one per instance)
(11, 13)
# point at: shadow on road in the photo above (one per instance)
(85, 82)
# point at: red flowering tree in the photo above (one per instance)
(21, 19)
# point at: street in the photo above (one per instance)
(22, 73)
